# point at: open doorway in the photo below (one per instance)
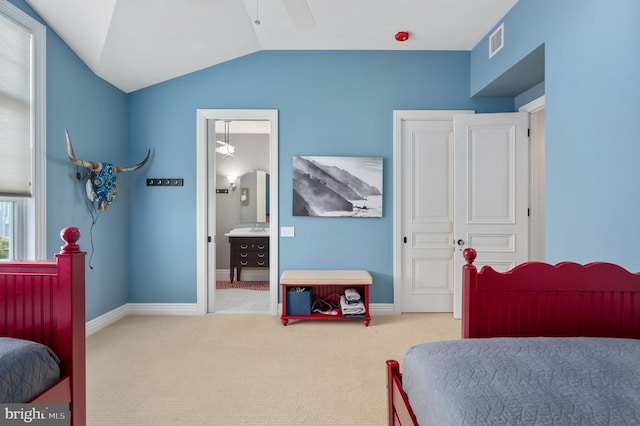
(221, 137)
(242, 215)
(536, 110)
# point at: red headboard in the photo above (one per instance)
(538, 299)
(44, 301)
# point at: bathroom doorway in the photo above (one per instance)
(242, 183)
(237, 150)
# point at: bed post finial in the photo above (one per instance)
(469, 255)
(469, 284)
(70, 235)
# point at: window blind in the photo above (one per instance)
(15, 109)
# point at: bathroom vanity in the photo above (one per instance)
(249, 249)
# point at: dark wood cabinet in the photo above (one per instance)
(248, 252)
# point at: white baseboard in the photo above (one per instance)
(162, 309)
(381, 309)
(117, 314)
(105, 320)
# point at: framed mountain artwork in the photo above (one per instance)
(337, 186)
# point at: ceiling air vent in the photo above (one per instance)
(496, 41)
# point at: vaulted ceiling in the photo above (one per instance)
(137, 43)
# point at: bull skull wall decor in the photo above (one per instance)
(101, 177)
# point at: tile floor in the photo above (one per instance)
(239, 301)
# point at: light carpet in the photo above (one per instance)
(249, 369)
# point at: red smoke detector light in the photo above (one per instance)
(402, 36)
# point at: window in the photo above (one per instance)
(6, 230)
(22, 135)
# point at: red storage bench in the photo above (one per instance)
(322, 284)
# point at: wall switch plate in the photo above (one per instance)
(287, 231)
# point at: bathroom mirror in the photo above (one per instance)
(254, 197)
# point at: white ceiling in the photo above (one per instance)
(137, 43)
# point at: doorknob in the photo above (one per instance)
(460, 242)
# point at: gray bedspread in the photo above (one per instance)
(26, 369)
(524, 381)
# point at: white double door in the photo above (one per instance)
(463, 183)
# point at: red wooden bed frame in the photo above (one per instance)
(537, 299)
(44, 301)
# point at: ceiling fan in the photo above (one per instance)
(299, 13)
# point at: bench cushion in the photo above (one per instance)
(330, 276)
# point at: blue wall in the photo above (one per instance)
(329, 103)
(341, 103)
(592, 63)
(95, 113)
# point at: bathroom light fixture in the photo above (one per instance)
(225, 148)
(232, 182)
